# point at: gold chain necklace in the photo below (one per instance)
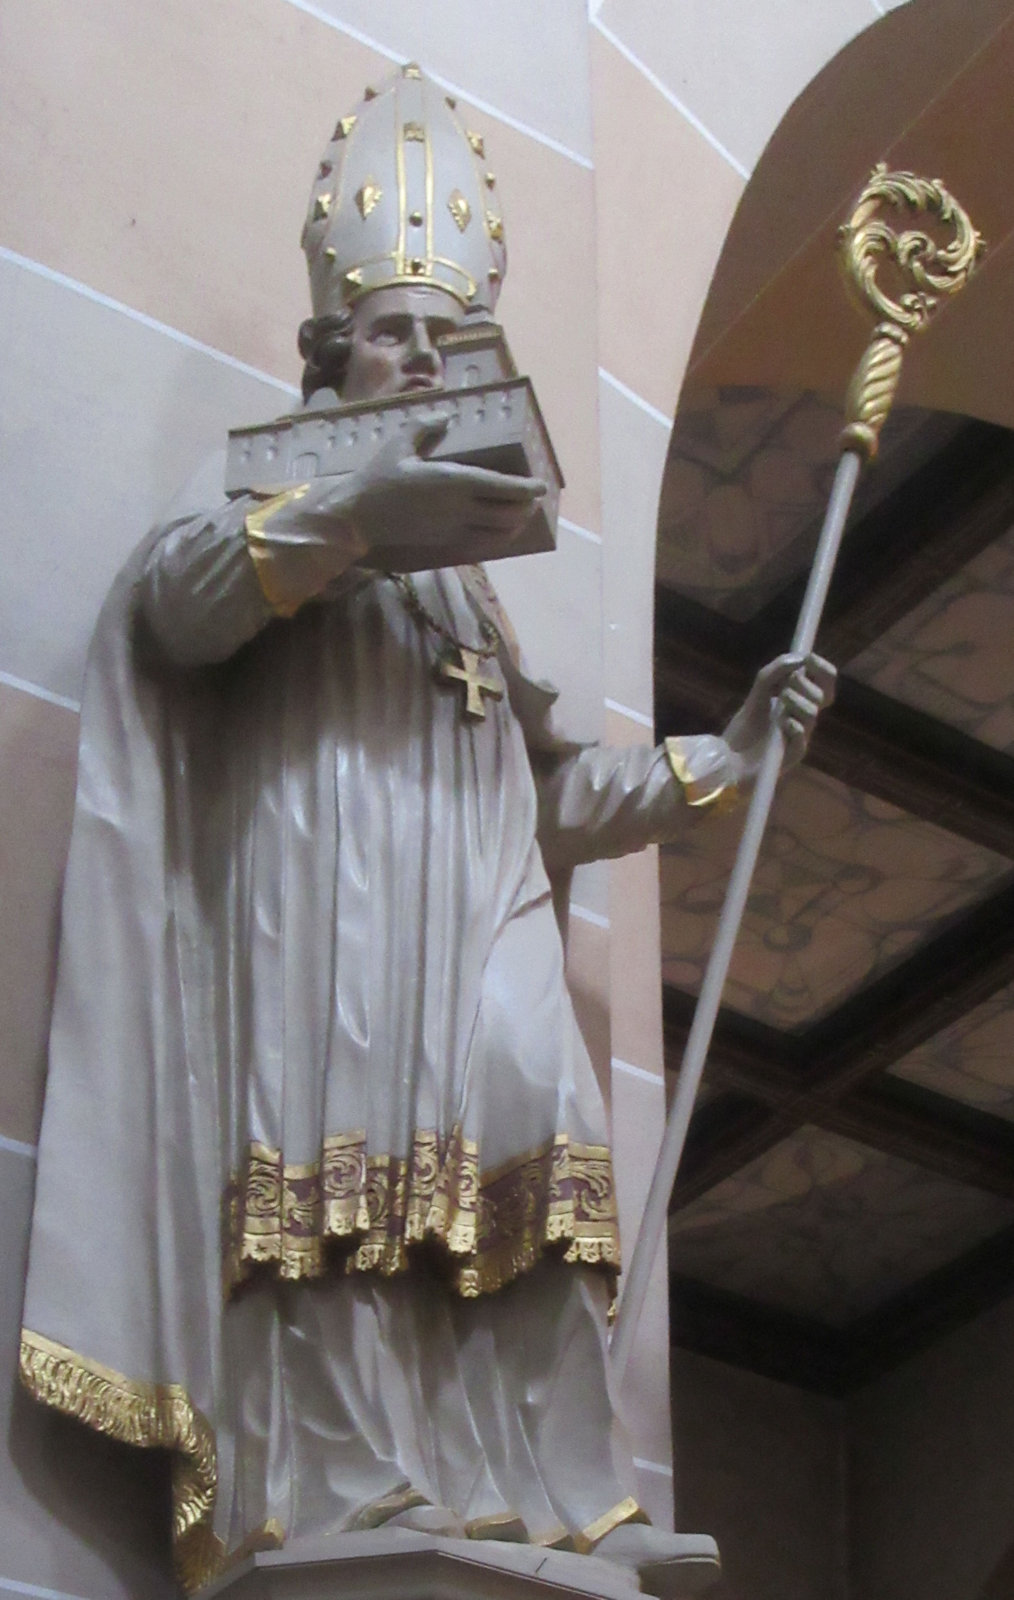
(458, 663)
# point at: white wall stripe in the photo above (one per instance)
(636, 399)
(636, 1072)
(15, 1147)
(582, 533)
(139, 316)
(39, 692)
(640, 717)
(452, 88)
(12, 1586)
(653, 1466)
(667, 94)
(582, 914)
(879, 9)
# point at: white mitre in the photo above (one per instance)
(403, 195)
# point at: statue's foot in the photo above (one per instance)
(429, 1519)
(669, 1565)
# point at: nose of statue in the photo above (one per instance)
(422, 354)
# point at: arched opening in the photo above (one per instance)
(846, 1196)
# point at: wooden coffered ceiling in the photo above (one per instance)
(848, 1186)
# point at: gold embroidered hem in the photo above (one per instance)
(149, 1414)
(493, 1226)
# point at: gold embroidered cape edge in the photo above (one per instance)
(162, 1415)
(493, 1226)
(158, 1415)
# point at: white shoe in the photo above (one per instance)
(669, 1565)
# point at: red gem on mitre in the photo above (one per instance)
(325, 169)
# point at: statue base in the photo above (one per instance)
(396, 1564)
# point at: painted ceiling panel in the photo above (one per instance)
(972, 1060)
(846, 887)
(827, 1228)
(746, 482)
(952, 656)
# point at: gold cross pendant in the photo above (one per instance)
(457, 665)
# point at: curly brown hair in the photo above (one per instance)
(325, 344)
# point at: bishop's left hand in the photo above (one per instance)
(793, 689)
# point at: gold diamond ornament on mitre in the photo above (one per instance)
(402, 195)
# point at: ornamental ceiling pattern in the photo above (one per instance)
(827, 1228)
(846, 887)
(972, 1060)
(901, 1216)
(953, 656)
(746, 484)
(834, 1226)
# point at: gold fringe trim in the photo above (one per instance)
(149, 1414)
(152, 1415)
(493, 1226)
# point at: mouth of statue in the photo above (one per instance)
(419, 382)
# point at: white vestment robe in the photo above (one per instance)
(325, 1203)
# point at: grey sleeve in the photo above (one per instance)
(598, 802)
(199, 592)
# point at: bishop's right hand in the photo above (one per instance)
(403, 497)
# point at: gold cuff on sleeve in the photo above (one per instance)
(699, 792)
(259, 546)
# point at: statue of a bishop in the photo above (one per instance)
(325, 1204)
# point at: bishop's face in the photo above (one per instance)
(394, 341)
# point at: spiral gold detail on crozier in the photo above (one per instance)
(933, 270)
(873, 388)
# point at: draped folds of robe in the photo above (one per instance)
(311, 1015)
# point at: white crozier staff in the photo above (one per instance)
(933, 270)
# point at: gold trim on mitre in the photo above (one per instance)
(460, 209)
(368, 195)
(384, 167)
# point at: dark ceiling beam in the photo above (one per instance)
(776, 1344)
(956, 1142)
(963, 965)
(866, 740)
(960, 967)
(727, 1133)
(777, 1082)
(961, 1143)
(934, 772)
(805, 1352)
(960, 502)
